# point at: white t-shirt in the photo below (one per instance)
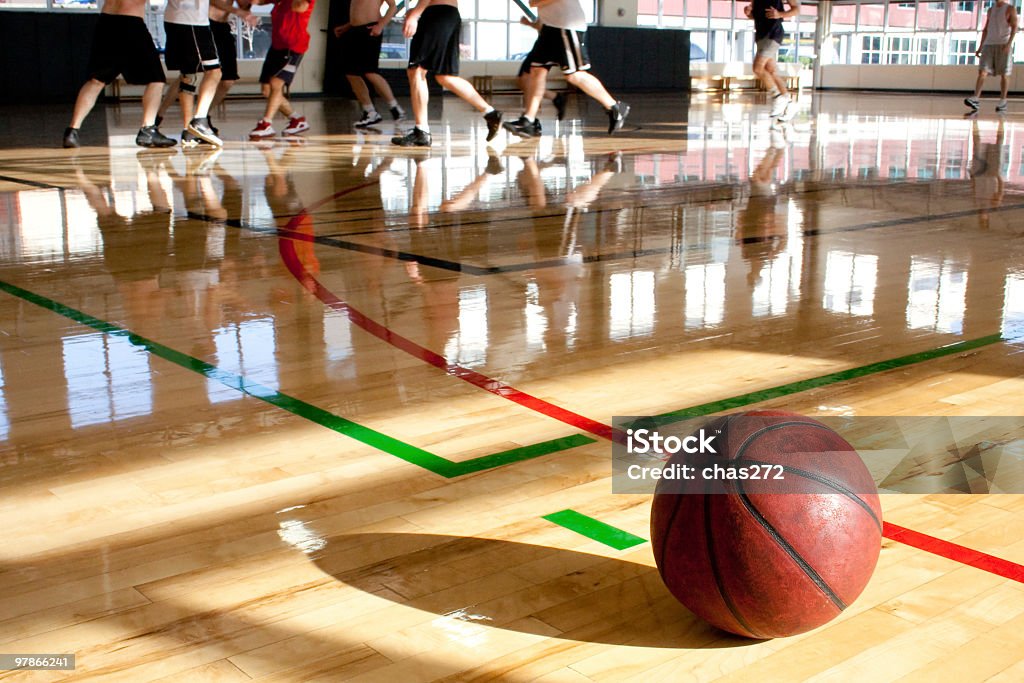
(566, 14)
(188, 12)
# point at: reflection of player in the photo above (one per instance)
(562, 41)
(988, 172)
(760, 236)
(768, 37)
(122, 45)
(434, 26)
(286, 206)
(995, 55)
(361, 40)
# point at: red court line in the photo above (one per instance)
(953, 551)
(915, 539)
(358, 318)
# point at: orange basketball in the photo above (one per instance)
(768, 558)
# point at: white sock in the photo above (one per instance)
(369, 109)
(489, 110)
(393, 103)
(424, 127)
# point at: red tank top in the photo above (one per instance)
(288, 28)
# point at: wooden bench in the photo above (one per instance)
(724, 75)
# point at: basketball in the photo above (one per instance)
(768, 557)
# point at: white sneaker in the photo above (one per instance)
(1001, 107)
(369, 118)
(779, 104)
(296, 125)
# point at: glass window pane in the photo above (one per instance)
(492, 40)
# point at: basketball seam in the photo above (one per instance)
(771, 530)
(790, 550)
(827, 482)
(708, 537)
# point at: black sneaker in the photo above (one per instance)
(157, 121)
(523, 127)
(617, 116)
(560, 103)
(202, 130)
(209, 122)
(414, 138)
(71, 138)
(493, 119)
(149, 136)
(368, 119)
(397, 113)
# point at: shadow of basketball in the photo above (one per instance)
(478, 583)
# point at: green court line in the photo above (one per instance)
(595, 530)
(821, 381)
(324, 418)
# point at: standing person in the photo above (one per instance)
(435, 48)
(360, 49)
(289, 40)
(562, 41)
(191, 50)
(995, 56)
(227, 50)
(768, 37)
(123, 45)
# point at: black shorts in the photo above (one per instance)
(123, 45)
(227, 51)
(435, 47)
(567, 49)
(360, 51)
(190, 49)
(525, 67)
(280, 64)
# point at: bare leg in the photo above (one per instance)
(589, 84)
(765, 70)
(979, 85)
(1004, 86)
(360, 90)
(464, 89)
(538, 78)
(207, 91)
(222, 91)
(86, 101)
(275, 99)
(381, 86)
(169, 98)
(151, 102)
(419, 94)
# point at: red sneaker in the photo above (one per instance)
(296, 125)
(263, 129)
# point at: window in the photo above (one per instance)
(900, 50)
(871, 50)
(962, 51)
(965, 6)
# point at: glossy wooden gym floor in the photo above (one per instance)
(298, 410)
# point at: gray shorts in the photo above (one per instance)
(766, 49)
(994, 61)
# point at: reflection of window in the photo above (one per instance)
(536, 323)
(5, 426)
(771, 293)
(1013, 307)
(705, 295)
(850, 283)
(936, 297)
(632, 306)
(108, 379)
(246, 349)
(468, 345)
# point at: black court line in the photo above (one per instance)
(625, 193)
(31, 183)
(458, 267)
